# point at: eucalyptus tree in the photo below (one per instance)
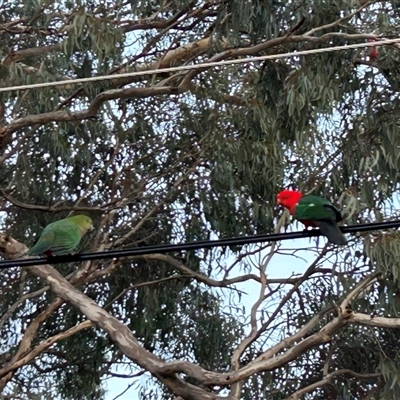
(197, 154)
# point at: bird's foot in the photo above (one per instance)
(310, 232)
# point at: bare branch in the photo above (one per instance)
(25, 297)
(38, 349)
(10, 249)
(19, 55)
(263, 362)
(255, 333)
(327, 379)
(358, 288)
(123, 337)
(37, 207)
(149, 283)
(27, 339)
(90, 112)
(340, 20)
(378, 322)
(196, 275)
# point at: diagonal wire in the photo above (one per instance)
(203, 244)
(200, 66)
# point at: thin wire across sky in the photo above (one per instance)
(203, 244)
(199, 66)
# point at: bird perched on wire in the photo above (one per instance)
(314, 211)
(61, 237)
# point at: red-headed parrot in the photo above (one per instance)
(314, 211)
(61, 237)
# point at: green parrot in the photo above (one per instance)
(61, 237)
(314, 211)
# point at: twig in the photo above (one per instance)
(327, 379)
(358, 288)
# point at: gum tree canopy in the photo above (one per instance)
(193, 155)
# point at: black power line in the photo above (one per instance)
(202, 244)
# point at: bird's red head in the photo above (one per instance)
(288, 198)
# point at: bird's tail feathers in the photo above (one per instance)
(331, 231)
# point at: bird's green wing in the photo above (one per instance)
(60, 237)
(316, 208)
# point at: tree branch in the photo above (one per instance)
(196, 275)
(37, 207)
(123, 337)
(377, 322)
(255, 333)
(11, 309)
(25, 344)
(340, 20)
(90, 112)
(327, 379)
(38, 349)
(366, 282)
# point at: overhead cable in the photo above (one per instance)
(202, 244)
(200, 66)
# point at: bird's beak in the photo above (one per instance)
(278, 201)
(91, 228)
